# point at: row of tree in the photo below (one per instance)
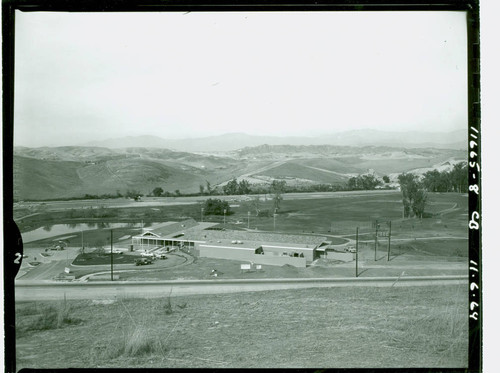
(235, 188)
(414, 190)
(455, 180)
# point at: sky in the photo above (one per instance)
(92, 76)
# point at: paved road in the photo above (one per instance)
(27, 291)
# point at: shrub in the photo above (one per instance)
(141, 343)
(42, 317)
(167, 307)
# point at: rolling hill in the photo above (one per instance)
(44, 179)
(68, 172)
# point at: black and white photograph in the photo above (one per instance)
(236, 188)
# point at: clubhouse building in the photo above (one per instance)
(209, 240)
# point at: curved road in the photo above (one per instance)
(31, 291)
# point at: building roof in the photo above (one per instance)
(194, 231)
(262, 238)
(172, 228)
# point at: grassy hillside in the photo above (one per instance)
(43, 179)
(65, 172)
(351, 327)
(40, 179)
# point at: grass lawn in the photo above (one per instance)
(90, 259)
(325, 327)
(341, 215)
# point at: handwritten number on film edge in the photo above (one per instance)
(474, 224)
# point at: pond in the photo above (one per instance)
(72, 229)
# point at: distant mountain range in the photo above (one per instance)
(234, 141)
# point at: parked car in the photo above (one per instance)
(143, 261)
(351, 249)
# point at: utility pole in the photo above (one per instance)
(274, 216)
(111, 255)
(389, 242)
(202, 214)
(224, 217)
(376, 238)
(248, 219)
(357, 249)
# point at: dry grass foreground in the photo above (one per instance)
(335, 327)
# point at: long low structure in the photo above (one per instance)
(213, 242)
(255, 255)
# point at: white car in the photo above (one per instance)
(160, 256)
(351, 249)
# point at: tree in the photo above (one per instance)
(362, 182)
(202, 189)
(209, 188)
(157, 192)
(454, 180)
(419, 203)
(459, 177)
(351, 183)
(231, 188)
(386, 179)
(435, 181)
(277, 189)
(414, 196)
(244, 187)
(215, 206)
(132, 193)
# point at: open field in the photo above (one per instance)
(328, 327)
(337, 213)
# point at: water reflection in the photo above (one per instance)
(72, 229)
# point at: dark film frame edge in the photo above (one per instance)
(11, 236)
